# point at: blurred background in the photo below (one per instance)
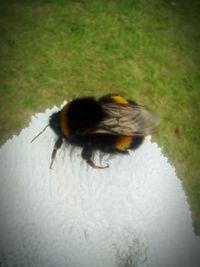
(146, 50)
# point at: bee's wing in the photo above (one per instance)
(131, 119)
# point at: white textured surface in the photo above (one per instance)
(133, 214)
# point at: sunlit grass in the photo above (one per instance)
(145, 50)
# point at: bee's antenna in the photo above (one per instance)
(39, 133)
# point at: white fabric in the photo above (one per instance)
(133, 214)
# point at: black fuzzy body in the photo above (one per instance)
(78, 124)
(103, 142)
(84, 114)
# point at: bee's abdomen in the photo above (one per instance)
(124, 143)
(107, 142)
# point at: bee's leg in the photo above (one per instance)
(87, 154)
(57, 145)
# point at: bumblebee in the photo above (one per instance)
(111, 124)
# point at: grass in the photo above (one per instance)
(145, 50)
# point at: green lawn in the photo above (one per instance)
(145, 50)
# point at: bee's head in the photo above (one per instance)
(54, 123)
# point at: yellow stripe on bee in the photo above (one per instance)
(119, 100)
(123, 142)
(63, 120)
